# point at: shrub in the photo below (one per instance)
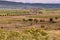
(28, 34)
(30, 19)
(24, 20)
(2, 35)
(56, 18)
(1, 27)
(40, 12)
(51, 19)
(37, 34)
(42, 20)
(35, 20)
(42, 26)
(13, 36)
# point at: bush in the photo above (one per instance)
(28, 34)
(2, 35)
(56, 18)
(37, 34)
(35, 20)
(24, 20)
(1, 27)
(30, 19)
(42, 26)
(13, 35)
(40, 12)
(42, 20)
(51, 19)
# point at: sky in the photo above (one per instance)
(36, 1)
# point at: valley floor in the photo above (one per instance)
(29, 26)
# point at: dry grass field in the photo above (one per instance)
(30, 24)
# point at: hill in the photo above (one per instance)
(18, 5)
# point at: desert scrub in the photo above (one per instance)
(14, 35)
(2, 35)
(37, 34)
(27, 34)
(31, 34)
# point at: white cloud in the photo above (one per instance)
(37, 1)
(17, 0)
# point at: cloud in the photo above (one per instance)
(36, 1)
(2, 0)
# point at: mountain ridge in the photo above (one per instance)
(17, 5)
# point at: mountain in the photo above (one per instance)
(10, 3)
(18, 5)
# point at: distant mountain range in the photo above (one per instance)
(18, 5)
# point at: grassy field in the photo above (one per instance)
(13, 12)
(31, 25)
(29, 34)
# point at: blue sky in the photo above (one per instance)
(36, 1)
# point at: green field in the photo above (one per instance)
(13, 12)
